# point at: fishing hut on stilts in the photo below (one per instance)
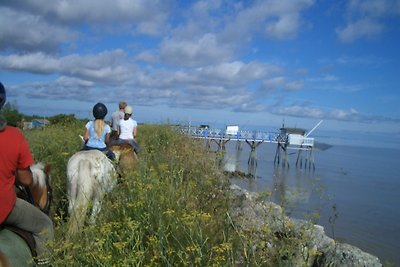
(297, 139)
(287, 139)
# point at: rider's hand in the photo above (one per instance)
(24, 176)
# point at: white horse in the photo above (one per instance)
(90, 176)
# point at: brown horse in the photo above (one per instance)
(17, 246)
(127, 157)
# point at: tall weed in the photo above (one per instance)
(171, 210)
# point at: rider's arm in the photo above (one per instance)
(86, 135)
(134, 132)
(107, 139)
(24, 176)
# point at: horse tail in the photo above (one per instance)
(80, 193)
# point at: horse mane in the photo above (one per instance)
(39, 174)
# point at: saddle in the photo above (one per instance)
(25, 235)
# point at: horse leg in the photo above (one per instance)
(83, 194)
(98, 196)
(105, 183)
(72, 190)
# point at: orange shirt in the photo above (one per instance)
(14, 154)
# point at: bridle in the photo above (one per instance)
(28, 195)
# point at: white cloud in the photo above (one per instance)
(200, 54)
(34, 62)
(26, 32)
(344, 115)
(251, 107)
(350, 115)
(375, 8)
(108, 66)
(235, 73)
(299, 111)
(366, 19)
(294, 86)
(93, 10)
(273, 83)
(279, 19)
(70, 82)
(361, 28)
(284, 27)
(195, 52)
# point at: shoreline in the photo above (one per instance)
(249, 212)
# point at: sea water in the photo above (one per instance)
(355, 190)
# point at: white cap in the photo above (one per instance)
(128, 110)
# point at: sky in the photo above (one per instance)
(251, 63)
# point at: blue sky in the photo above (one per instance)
(251, 63)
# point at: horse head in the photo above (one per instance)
(127, 158)
(41, 189)
(39, 193)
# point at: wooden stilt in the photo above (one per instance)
(208, 144)
(299, 158)
(312, 158)
(239, 145)
(221, 143)
(252, 169)
(277, 155)
(253, 153)
(285, 162)
(288, 138)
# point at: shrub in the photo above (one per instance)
(11, 114)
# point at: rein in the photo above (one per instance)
(46, 208)
(25, 190)
(28, 195)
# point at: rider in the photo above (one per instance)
(127, 130)
(115, 118)
(97, 134)
(15, 162)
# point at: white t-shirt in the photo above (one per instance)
(126, 128)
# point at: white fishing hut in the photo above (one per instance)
(296, 138)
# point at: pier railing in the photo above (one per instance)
(283, 140)
(243, 135)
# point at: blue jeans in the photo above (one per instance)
(108, 152)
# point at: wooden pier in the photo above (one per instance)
(287, 139)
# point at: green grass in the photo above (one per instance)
(172, 210)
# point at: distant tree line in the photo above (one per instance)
(11, 114)
(15, 118)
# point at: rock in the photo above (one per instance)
(253, 215)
